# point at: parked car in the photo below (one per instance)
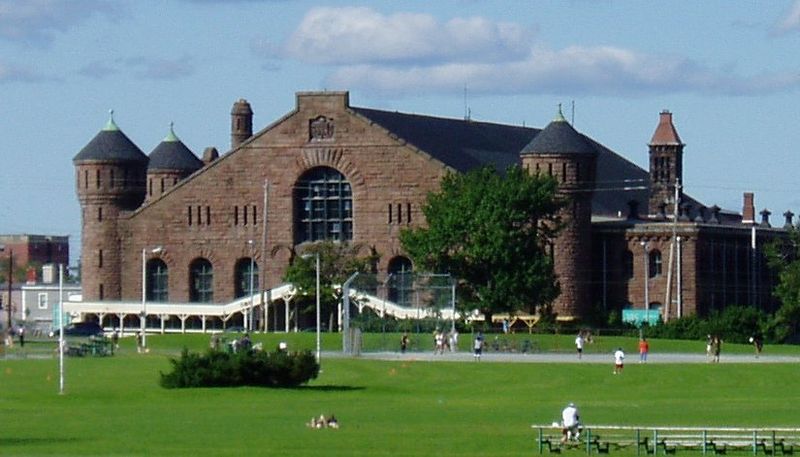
(81, 329)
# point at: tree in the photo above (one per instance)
(783, 256)
(490, 231)
(338, 261)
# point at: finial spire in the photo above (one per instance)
(111, 125)
(171, 137)
(560, 116)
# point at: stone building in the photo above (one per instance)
(202, 229)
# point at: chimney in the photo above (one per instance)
(210, 154)
(765, 217)
(30, 276)
(748, 209)
(714, 215)
(241, 122)
(788, 215)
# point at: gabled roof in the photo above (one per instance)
(110, 144)
(172, 155)
(465, 145)
(460, 144)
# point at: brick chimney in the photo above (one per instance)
(748, 209)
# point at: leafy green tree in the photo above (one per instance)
(338, 261)
(784, 257)
(490, 231)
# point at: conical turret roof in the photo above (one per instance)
(559, 138)
(110, 144)
(171, 154)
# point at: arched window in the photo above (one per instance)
(246, 277)
(655, 263)
(323, 202)
(201, 281)
(401, 281)
(157, 281)
(627, 264)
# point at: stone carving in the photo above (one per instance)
(321, 129)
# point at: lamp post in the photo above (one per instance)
(316, 257)
(646, 279)
(252, 303)
(143, 320)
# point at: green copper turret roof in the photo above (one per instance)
(110, 144)
(559, 138)
(171, 137)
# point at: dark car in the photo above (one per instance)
(82, 329)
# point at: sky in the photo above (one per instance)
(728, 70)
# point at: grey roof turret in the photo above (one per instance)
(559, 138)
(110, 144)
(172, 155)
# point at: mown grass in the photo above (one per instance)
(114, 406)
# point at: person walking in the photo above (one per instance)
(619, 357)
(404, 343)
(579, 341)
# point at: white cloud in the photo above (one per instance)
(574, 70)
(37, 21)
(357, 35)
(791, 21)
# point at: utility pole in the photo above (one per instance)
(10, 281)
(676, 202)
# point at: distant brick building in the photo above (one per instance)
(330, 171)
(39, 249)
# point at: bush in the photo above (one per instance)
(245, 368)
(735, 324)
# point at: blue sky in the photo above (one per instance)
(728, 70)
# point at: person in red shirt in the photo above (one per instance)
(644, 348)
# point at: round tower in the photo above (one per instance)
(566, 155)
(110, 179)
(241, 123)
(170, 162)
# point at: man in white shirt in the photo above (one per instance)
(579, 344)
(570, 422)
(619, 356)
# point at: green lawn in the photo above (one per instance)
(114, 405)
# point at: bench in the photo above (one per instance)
(671, 440)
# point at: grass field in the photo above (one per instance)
(114, 405)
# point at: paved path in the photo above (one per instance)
(546, 357)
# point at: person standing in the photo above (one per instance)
(22, 337)
(716, 348)
(619, 358)
(579, 344)
(477, 346)
(644, 348)
(404, 343)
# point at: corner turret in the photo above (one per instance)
(110, 177)
(170, 162)
(566, 155)
(241, 123)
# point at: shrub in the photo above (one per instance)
(245, 368)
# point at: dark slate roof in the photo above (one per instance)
(111, 145)
(459, 144)
(465, 145)
(173, 155)
(559, 138)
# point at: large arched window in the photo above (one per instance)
(157, 281)
(655, 263)
(323, 202)
(201, 281)
(401, 283)
(246, 279)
